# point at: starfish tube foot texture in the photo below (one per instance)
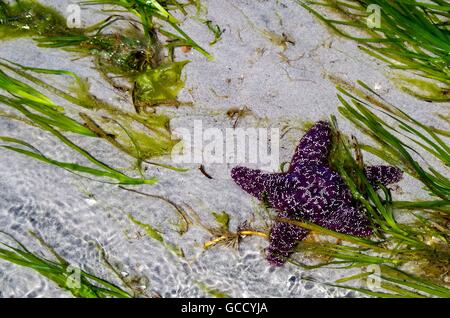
(310, 190)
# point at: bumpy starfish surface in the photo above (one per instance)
(312, 191)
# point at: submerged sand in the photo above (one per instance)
(280, 87)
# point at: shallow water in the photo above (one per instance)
(247, 72)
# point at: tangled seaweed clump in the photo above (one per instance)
(136, 55)
(133, 52)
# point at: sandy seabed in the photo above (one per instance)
(248, 71)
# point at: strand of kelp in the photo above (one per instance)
(419, 55)
(38, 110)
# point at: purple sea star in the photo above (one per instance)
(312, 191)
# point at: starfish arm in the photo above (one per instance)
(349, 219)
(283, 239)
(314, 147)
(383, 174)
(255, 182)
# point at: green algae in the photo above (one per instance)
(131, 53)
(151, 138)
(127, 53)
(24, 91)
(215, 29)
(423, 89)
(223, 219)
(159, 86)
(144, 145)
(141, 136)
(113, 53)
(26, 18)
(214, 292)
(156, 235)
(151, 13)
